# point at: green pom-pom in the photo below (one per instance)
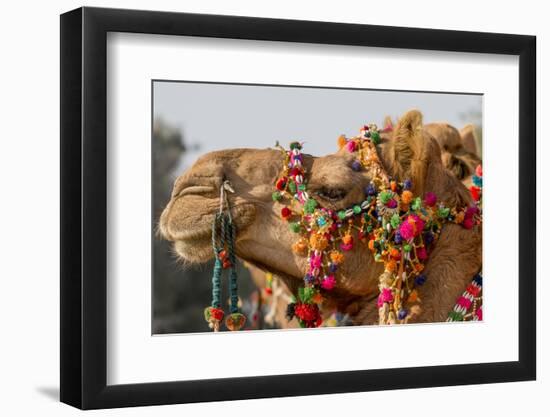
(407, 247)
(306, 294)
(385, 196)
(276, 196)
(443, 212)
(342, 214)
(375, 137)
(292, 186)
(295, 227)
(207, 314)
(416, 204)
(395, 221)
(369, 228)
(295, 145)
(310, 205)
(377, 257)
(356, 209)
(302, 187)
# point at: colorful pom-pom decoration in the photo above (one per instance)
(398, 227)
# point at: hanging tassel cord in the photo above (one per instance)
(223, 246)
(233, 285)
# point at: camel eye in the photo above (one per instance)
(331, 194)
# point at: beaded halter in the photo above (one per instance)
(398, 227)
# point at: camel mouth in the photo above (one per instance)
(190, 228)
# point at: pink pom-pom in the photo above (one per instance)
(315, 261)
(392, 204)
(328, 283)
(464, 302)
(471, 212)
(468, 223)
(411, 227)
(350, 146)
(430, 199)
(386, 296)
(406, 230)
(479, 314)
(346, 246)
(421, 253)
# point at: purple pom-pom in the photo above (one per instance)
(370, 189)
(398, 239)
(428, 238)
(420, 280)
(407, 184)
(356, 166)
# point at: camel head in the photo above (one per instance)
(263, 238)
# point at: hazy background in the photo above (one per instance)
(194, 118)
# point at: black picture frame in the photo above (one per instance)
(84, 207)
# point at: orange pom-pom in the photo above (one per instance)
(413, 296)
(318, 242)
(342, 141)
(317, 298)
(395, 253)
(347, 239)
(300, 247)
(336, 257)
(371, 244)
(407, 197)
(391, 265)
(393, 186)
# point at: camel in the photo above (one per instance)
(458, 149)
(264, 239)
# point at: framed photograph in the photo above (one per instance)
(257, 208)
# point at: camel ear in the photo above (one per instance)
(412, 151)
(467, 134)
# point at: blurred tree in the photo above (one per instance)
(179, 294)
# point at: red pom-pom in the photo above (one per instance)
(308, 314)
(475, 192)
(468, 223)
(280, 184)
(216, 313)
(285, 212)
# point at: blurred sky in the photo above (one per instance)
(220, 116)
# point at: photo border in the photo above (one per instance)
(84, 207)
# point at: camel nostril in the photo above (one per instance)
(196, 190)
